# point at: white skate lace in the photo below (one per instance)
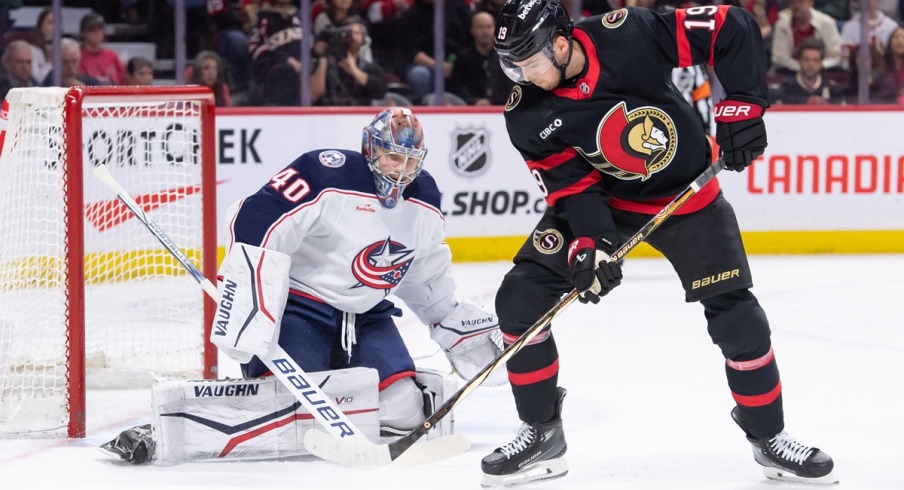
(524, 438)
(786, 447)
(349, 336)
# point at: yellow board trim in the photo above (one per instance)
(484, 249)
(49, 270)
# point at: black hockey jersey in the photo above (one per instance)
(620, 133)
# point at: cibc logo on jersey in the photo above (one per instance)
(635, 144)
(382, 265)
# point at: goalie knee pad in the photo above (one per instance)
(405, 404)
(254, 418)
(401, 407)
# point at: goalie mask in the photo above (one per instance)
(393, 145)
(524, 37)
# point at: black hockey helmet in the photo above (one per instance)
(527, 27)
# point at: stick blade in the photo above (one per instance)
(355, 451)
(361, 452)
(425, 452)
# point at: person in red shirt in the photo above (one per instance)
(97, 61)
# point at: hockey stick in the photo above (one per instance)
(278, 361)
(339, 451)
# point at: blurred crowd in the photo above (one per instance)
(380, 52)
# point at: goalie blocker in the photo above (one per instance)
(256, 419)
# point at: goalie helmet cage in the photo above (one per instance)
(87, 295)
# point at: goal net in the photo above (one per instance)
(87, 294)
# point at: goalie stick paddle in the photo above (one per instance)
(279, 362)
(346, 452)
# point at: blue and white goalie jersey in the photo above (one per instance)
(348, 250)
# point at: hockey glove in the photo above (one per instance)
(592, 274)
(471, 339)
(740, 131)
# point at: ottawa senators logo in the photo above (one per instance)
(615, 18)
(548, 241)
(633, 144)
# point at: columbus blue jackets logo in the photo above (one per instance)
(635, 144)
(382, 265)
(332, 158)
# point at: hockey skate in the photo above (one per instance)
(536, 454)
(785, 459)
(134, 446)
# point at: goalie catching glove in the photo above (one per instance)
(592, 274)
(740, 130)
(470, 338)
(253, 295)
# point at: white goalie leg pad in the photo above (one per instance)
(405, 404)
(438, 387)
(228, 420)
(253, 295)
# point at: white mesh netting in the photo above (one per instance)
(143, 314)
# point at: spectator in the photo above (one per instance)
(42, 45)
(891, 8)
(342, 77)
(894, 61)
(99, 62)
(387, 32)
(275, 44)
(418, 22)
(228, 38)
(880, 29)
(882, 89)
(476, 76)
(493, 7)
(836, 9)
(764, 11)
(71, 57)
(16, 60)
(796, 23)
(333, 14)
(139, 71)
(808, 86)
(207, 71)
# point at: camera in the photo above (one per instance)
(338, 39)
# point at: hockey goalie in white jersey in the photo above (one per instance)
(330, 237)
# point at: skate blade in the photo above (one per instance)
(542, 471)
(782, 475)
(107, 450)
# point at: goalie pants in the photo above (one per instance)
(312, 333)
(706, 251)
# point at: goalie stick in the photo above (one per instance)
(278, 361)
(350, 453)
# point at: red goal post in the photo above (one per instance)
(87, 295)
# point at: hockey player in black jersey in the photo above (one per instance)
(610, 142)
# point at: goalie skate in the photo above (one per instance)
(785, 459)
(134, 446)
(536, 454)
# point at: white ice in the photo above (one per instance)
(648, 403)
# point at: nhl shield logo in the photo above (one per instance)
(470, 156)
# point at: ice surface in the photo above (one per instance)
(648, 404)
